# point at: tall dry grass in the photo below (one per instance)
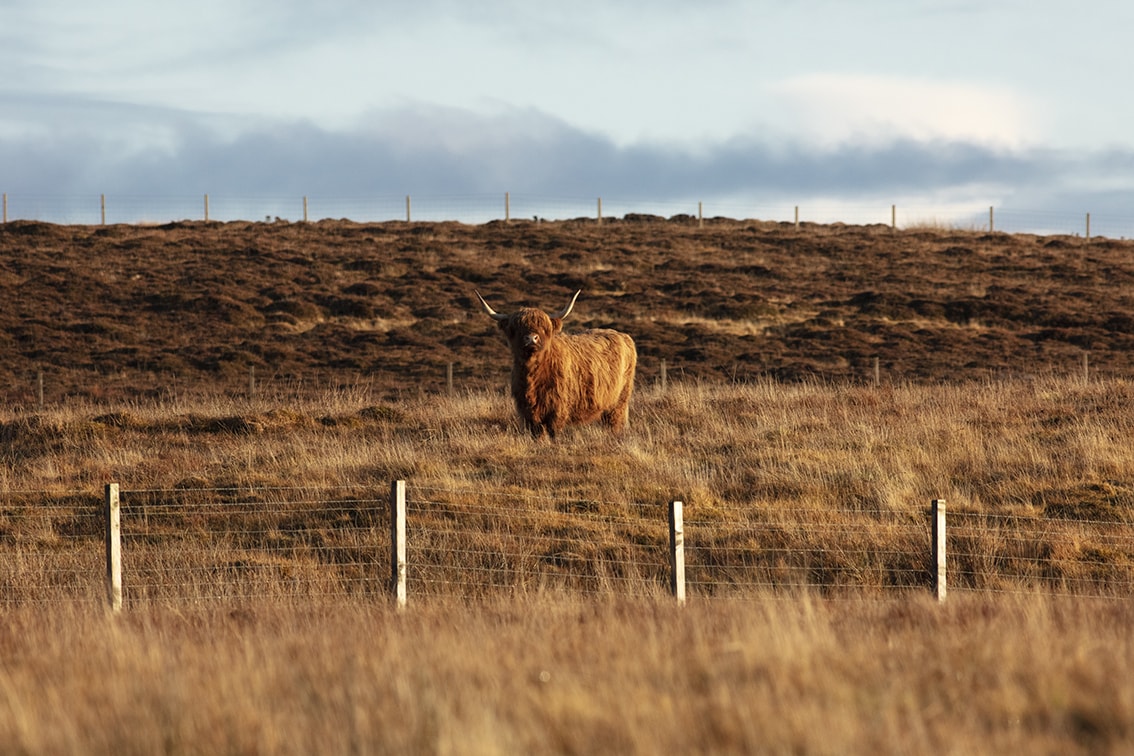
(799, 502)
(553, 674)
(1005, 445)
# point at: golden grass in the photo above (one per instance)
(552, 674)
(265, 627)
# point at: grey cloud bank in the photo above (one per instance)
(125, 149)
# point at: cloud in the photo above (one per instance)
(416, 149)
(835, 107)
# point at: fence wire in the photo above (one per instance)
(263, 543)
(459, 545)
(334, 543)
(50, 548)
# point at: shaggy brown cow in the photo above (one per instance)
(566, 379)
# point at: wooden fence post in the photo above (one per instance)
(398, 542)
(113, 548)
(304, 209)
(991, 219)
(677, 551)
(938, 515)
(408, 216)
(206, 208)
(893, 217)
(797, 217)
(1088, 227)
(507, 207)
(663, 376)
(700, 215)
(102, 207)
(5, 207)
(599, 218)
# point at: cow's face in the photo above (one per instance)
(529, 331)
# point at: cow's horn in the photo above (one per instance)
(491, 312)
(570, 305)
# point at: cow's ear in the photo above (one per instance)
(556, 325)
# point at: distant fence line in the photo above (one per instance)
(190, 545)
(150, 209)
(1079, 371)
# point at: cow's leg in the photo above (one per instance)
(534, 428)
(618, 417)
(554, 425)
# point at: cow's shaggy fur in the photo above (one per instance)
(561, 379)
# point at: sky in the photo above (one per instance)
(946, 105)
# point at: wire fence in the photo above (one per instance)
(236, 544)
(480, 208)
(50, 548)
(312, 544)
(469, 543)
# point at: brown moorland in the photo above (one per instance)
(126, 311)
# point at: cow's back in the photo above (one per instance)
(602, 361)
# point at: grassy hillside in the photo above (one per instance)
(789, 485)
(256, 619)
(124, 311)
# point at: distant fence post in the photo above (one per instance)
(991, 219)
(677, 551)
(398, 542)
(938, 515)
(102, 207)
(206, 208)
(662, 377)
(700, 215)
(507, 207)
(5, 207)
(797, 217)
(449, 378)
(305, 209)
(39, 386)
(1088, 227)
(893, 217)
(407, 208)
(113, 548)
(599, 217)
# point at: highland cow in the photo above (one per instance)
(563, 379)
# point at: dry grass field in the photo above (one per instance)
(256, 615)
(556, 674)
